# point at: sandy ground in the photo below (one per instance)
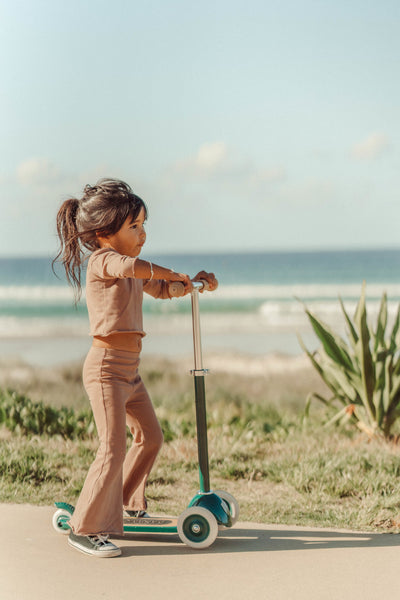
(15, 370)
(248, 561)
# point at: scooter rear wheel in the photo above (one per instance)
(60, 521)
(197, 527)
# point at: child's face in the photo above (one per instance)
(129, 239)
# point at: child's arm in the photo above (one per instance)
(144, 269)
(157, 279)
(109, 264)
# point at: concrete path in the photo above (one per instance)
(247, 562)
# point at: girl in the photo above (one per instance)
(109, 222)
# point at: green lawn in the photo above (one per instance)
(281, 466)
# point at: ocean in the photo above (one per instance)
(257, 309)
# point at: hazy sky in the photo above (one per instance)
(244, 125)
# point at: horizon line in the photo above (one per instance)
(249, 251)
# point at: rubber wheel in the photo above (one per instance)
(197, 527)
(232, 503)
(60, 521)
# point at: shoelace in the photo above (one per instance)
(137, 513)
(99, 540)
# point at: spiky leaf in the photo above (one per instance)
(352, 331)
(395, 336)
(364, 356)
(333, 344)
(381, 325)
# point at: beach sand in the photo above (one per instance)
(50, 370)
(169, 339)
(15, 369)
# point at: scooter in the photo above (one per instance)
(208, 511)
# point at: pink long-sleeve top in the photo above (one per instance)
(114, 296)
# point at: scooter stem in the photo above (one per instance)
(198, 358)
(198, 372)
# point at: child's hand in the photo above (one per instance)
(209, 277)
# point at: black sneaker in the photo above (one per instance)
(138, 514)
(96, 545)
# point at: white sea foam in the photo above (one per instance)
(37, 327)
(280, 315)
(36, 293)
(246, 309)
(64, 293)
(304, 291)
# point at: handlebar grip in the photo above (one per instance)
(177, 289)
(202, 285)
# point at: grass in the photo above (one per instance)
(281, 465)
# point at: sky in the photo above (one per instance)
(244, 125)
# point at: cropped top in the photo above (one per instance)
(114, 296)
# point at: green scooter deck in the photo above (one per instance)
(151, 524)
(133, 524)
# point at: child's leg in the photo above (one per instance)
(99, 507)
(147, 441)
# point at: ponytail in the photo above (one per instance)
(70, 253)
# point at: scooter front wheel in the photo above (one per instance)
(197, 527)
(60, 521)
(232, 503)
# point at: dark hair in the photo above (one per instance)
(103, 209)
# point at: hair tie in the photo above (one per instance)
(74, 206)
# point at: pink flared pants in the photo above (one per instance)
(116, 478)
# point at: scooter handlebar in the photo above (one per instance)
(176, 288)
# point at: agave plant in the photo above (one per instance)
(362, 372)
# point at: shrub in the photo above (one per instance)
(362, 373)
(18, 413)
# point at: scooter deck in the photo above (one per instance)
(151, 524)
